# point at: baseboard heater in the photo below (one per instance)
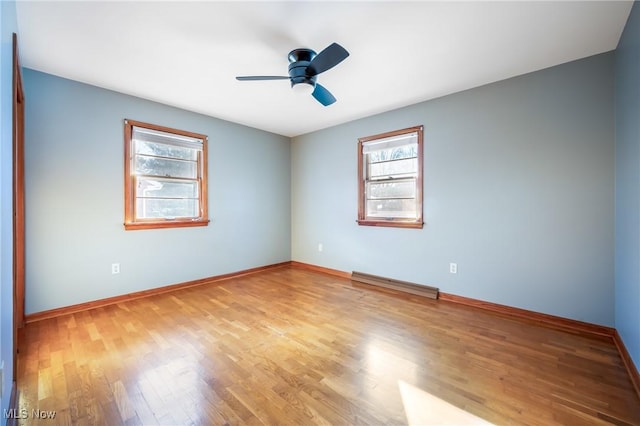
(404, 286)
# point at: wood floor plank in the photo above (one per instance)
(294, 346)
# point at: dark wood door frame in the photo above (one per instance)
(18, 203)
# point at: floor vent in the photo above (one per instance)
(407, 287)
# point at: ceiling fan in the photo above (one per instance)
(304, 67)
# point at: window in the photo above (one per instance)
(390, 179)
(165, 177)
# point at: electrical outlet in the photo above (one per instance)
(320, 247)
(115, 268)
(453, 268)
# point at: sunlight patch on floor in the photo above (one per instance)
(423, 408)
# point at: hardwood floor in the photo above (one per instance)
(296, 347)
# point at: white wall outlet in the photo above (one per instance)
(453, 268)
(320, 247)
(115, 268)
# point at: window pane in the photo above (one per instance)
(404, 209)
(163, 188)
(397, 153)
(389, 142)
(178, 138)
(164, 150)
(396, 168)
(164, 167)
(150, 208)
(395, 189)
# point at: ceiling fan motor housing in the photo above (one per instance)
(299, 61)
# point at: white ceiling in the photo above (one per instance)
(187, 54)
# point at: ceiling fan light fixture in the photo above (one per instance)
(303, 88)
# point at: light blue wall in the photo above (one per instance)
(519, 191)
(627, 201)
(8, 26)
(74, 198)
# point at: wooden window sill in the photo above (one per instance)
(391, 223)
(165, 224)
